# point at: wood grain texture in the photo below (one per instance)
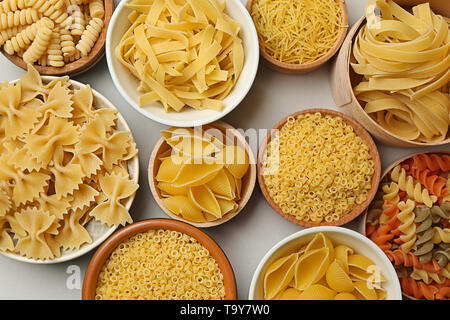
(248, 181)
(79, 66)
(296, 68)
(343, 79)
(362, 227)
(103, 253)
(362, 133)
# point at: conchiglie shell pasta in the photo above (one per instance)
(204, 199)
(192, 175)
(317, 292)
(181, 205)
(338, 279)
(364, 291)
(222, 185)
(289, 294)
(311, 267)
(342, 253)
(279, 275)
(345, 296)
(227, 206)
(236, 160)
(321, 241)
(172, 190)
(169, 169)
(194, 146)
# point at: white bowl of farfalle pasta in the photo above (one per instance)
(68, 168)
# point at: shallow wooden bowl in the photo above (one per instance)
(361, 132)
(248, 181)
(79, 66)
(103, 253)
(362, 225)
(343, 79)
(296, 68)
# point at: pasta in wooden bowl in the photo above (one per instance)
(325, 263)
(68, 167)
(409, 221)
(318, 167)
(159, 259)
(59, 37)
(204, 176)
(398, 90)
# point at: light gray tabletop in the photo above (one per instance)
(246, 238)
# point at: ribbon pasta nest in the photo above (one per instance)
(409, 221)
(320, 270)
(404, 59)
(184, 53)
(63, 161)
(200, 175)
(50, 33)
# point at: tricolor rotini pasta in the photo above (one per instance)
(416, 235)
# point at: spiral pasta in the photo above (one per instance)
(54, 52)
(50, 8)
(11, 5)
(96, 9)
(408, 227)
(424, 243)
(39, 45)
(90, 36)
(18, 18)
(22, 40)
(76, 20)
(9, 33)
(67, 44)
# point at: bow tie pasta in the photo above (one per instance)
(63, 162)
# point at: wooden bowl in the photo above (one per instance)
(361, 132)
(98, 231)
(296, 68)
(248, 181)
(79, 66)
(103, 253)
(362, 226)
(343, 79)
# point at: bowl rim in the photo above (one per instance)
(251, 173)
(362, 227)
(373, 150)
(325, 229)
(182, 123)
(129, 202)
(79, 66)
(103, 252)
(310, 66)
(350, 37)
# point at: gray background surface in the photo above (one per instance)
(246, 238)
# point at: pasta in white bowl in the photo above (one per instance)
(163, 104)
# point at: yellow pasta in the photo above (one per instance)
(316, 168)
(185, 53)
(310, 274)
(199, 177)
(177, 268)
(297, 31)
(55, 187)
(404, 59)
(90, 36)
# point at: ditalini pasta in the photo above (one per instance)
(413, 229)
(321, 270)
(62, 162)
(200, 176)
(160, 265)
(316, 168)
(74, 26)
(184, 53)
(297, 31)
(404, 59)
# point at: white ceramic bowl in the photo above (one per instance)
(337, 235)
(127, 84)
(98, 231)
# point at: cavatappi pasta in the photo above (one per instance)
(50, 33)
(316, 168)
(404, 59)
(200, 176)
(412, 226)
(160, 265)
(322, 270)
(184, 53)
(297, 31)
(63, 161)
